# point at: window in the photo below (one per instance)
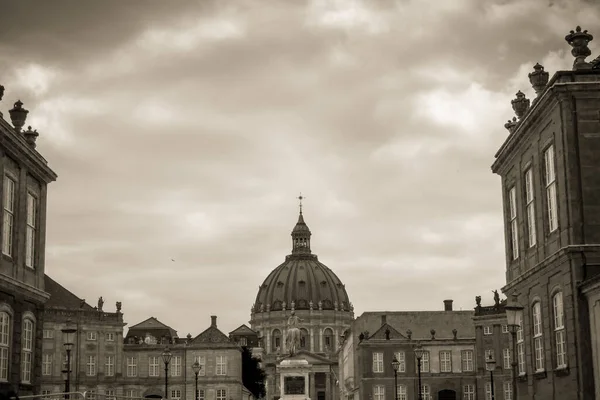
(538, 340)
(132, 393)
(506, 358)
(91, 394)
(92, 335)
(31, 231)
(559, 330)
(221, 368)
(488, 390)
(202, 361)
(530, 207)
(110, 337)
(489, 354)
(514, 226)
(276, 340)
(110, 394)
(5, 323)
(328, 338)
(378, 392)
(45, 393)
(469, 392)
(425, 362)
(131, 366)
(201, 395)
(243, 341)
(551, 199)
(402, 394)
(221, 394)
(47, 364)
(176, 394)
(153, 366)
(466, 358)
(26, 350)
(110, 366)
(487, 330)
(48, 334)
(91, 366)
(426, 392)
(175, 366)
(401, 357)
(445, 361)
(377, 362)
(521, 348)
(8, 215)
(507, 390)
(504, 328)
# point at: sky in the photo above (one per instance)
(186, 130)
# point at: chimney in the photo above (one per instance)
(383, 319)
(213, 320)
(447, 305)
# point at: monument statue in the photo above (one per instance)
(478, 301)
(496, 298)
(100, 303)
(293, 333)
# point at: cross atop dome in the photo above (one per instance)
(301, 234)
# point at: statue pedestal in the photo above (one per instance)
(293, 379)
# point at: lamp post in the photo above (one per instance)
(514, 318)
(68, 338)
(64, 376)
(490, 363)
(419, 355)
(395, 365)
(166, 356)
(196, 368)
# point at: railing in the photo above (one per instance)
(79, 396)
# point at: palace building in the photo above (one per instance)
(550, 173)
(304, 285)
(26, 175)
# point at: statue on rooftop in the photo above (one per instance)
(100, 303)
(496, 298)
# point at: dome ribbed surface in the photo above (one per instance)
(302, 279)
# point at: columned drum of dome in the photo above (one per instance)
(310, 289)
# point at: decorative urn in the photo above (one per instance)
(31, 136)
(579, 41)
(538, 78)
(520, 104)
(511, 125)
(18, 115)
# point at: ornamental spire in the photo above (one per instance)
(301, 234)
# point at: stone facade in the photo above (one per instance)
(550, 180)
(23, 192)
(449, 368)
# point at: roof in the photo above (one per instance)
(420, 323)
(152, 325)
(212, 335)
(242, 330)
(302, 280)
(61, 297)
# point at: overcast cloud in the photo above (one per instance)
(184, 130)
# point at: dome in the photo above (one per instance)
(301, 279)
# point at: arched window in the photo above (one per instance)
(276, 340)
(328, 339)
(4, 343)
(559, 330)
(303, 338)
(520, 347)
(26, 349)
(538, 336)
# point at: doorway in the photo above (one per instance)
(446, 394)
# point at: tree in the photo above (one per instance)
(253, 376)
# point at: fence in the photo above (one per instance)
(78, 396)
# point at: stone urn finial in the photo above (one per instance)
(538, 78)
(511, 125)
(579, 41)
(1, 92)
(432, 334)
(409, 334)
(521, 104)
(454, 333)
(18, 115)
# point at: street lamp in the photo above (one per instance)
(395, 365)
(490, 363)
(514, 318)
(166, 356)
(196, 368)
(419, 355)
(68, 338)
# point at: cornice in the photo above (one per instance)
(15, 285)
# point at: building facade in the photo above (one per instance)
(492, 340)
(97, 355)
(550, 168)
(448, 365)
(308, 288)
(26, 175)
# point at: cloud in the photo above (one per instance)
(187, 132)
